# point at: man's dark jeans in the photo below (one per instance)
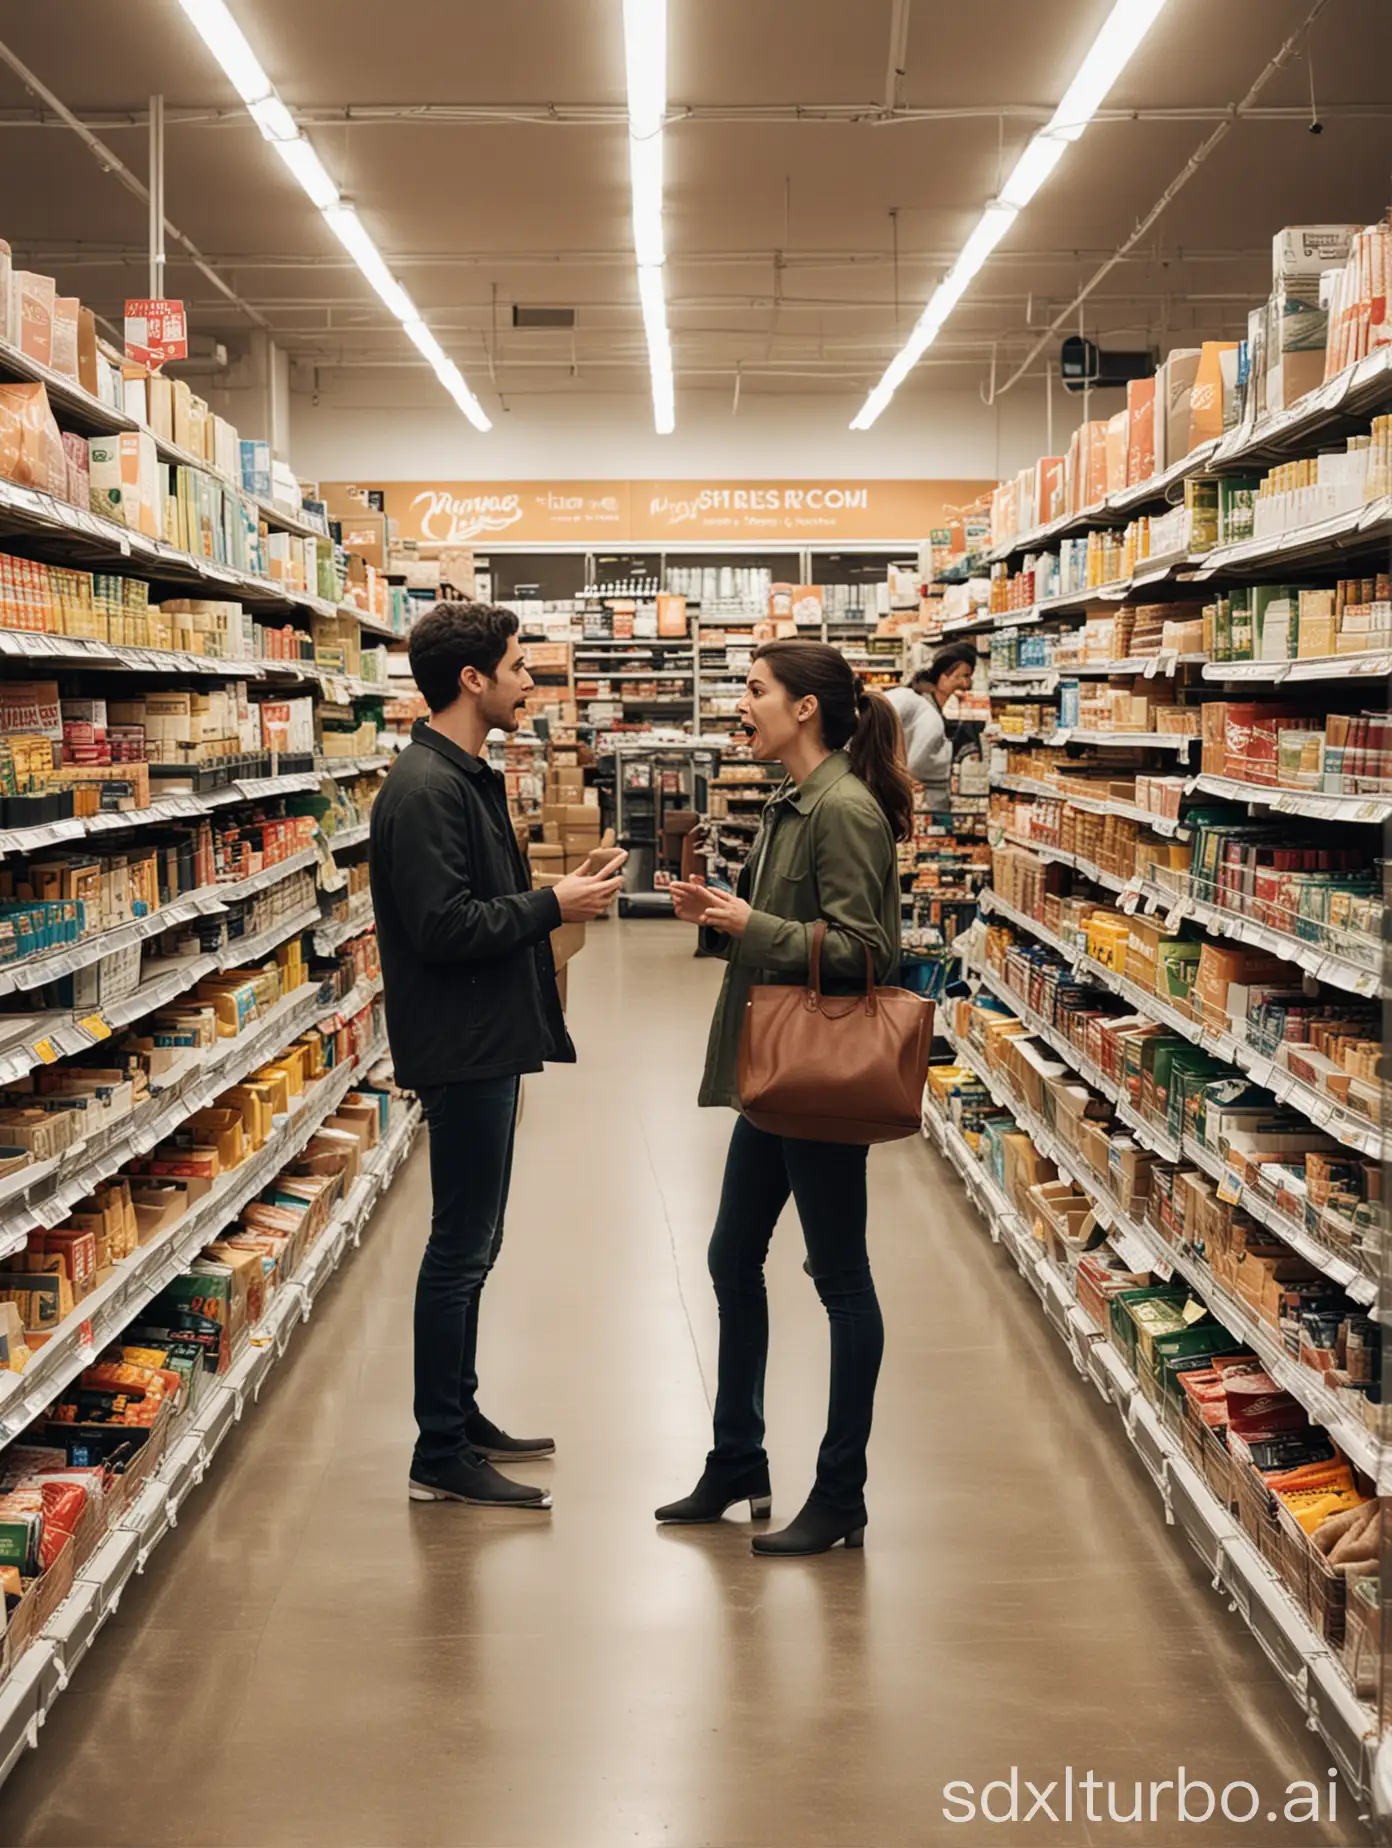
(827, 1180)
(471, 1132)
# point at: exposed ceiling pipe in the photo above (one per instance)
(898, 55)
(602, 115)
(92, 256)
(1176, 185)
(111, 164)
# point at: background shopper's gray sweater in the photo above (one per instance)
(927, 745)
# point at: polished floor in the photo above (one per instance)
(312, 1659)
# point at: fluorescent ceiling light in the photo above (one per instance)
(645, 182)
(347, 227)
(308, 169)
(223, 37)
(1033, 167)
(273, 119)
(645, 66)
(1107, 57)
(425, 342)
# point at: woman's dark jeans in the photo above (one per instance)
(827, 1181)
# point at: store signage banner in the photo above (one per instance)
(814, 512)
(801, 512)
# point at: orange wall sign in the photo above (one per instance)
(668, 513)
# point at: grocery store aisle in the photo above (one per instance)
(312, 1659)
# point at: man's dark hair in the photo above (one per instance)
(956, 654)
(455, 636)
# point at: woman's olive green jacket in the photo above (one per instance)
(823, 850)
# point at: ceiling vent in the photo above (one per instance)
(542, 317)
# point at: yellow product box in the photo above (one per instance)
(279, 1081)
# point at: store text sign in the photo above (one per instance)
(814, 512)
(802, 512)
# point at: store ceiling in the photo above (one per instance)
(485, 147)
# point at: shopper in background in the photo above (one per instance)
(471, 1004)
(825, 850)
(920, 706)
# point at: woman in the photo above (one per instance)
(920, 707)
(825, 850)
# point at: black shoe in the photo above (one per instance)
(471, 1479)
(718, 1490)
(815, 1530)
(485, 1437)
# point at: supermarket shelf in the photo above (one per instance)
(1122, 740)
(61, 1034)
(1168, 825)
(1072, 734)
(168, 808)
(354, 766)
(88, 651)
(368, 624)
(1324, 965)
(1369, 664)
(329, 936)
(198, 1080)
(349, 837)
(1344, 1126)
(1354, 1438)
(1062, 857)
(1046, 679)
(88, 539)
(1373, 809)
(1163, 662)
(1251, 1587)
(1325, 542)
(30, 971)
(1358, 1284)
(1358, 392)
(47, 1667)
(77, 407)
(360, 995)
(651, 674)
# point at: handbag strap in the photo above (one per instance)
(814, 970)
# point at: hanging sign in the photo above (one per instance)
(156, 331)
(662, 513)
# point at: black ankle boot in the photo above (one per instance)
(718, 1490)
(814, 1530)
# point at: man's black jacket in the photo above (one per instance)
(465, 944)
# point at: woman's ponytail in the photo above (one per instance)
(876, 751)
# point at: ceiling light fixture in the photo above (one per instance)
(224, 38)
(308, 169)
(645, 62)
(1107, 57)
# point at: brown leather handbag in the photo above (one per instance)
(834, 1069)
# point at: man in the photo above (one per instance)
(471, 1005)
(927, 744)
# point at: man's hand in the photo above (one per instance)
(603, 862)
(582, 896)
